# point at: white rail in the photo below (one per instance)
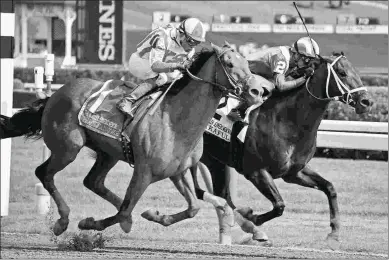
(31, 86)
(350, 135)
(353, 135)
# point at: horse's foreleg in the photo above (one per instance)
(221, 182)
(184, 184)
(205, 174)
(223, 210)
(246, 225)
(264, 182)
(229, 177)
(309, 178)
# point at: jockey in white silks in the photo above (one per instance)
(272, 65)
(160, 56)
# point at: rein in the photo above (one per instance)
(236, 84)
(341, 86)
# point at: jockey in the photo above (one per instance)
(274, 63)
(160, 56)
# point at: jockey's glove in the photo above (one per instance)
(308, 72)
(184, 65)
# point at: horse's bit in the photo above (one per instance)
(341, 86)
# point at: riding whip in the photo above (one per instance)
(159, 100)
(302, 20)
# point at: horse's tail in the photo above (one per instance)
(26, 121)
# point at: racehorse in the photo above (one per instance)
(281, 139)
(164, 143)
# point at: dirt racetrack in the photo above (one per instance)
(15, 245)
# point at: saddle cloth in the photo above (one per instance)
(223, 138)
(221, 126)
(99, 112)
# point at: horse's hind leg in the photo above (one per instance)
(184, 184)
(95, 182)
(64, 140)
(140, 180)
(45, 173)
(309, 178)
(96, 177)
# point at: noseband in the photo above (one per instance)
(346, 96)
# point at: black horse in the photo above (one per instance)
(281, 139)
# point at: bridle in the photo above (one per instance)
(237, 84)
(346, 96)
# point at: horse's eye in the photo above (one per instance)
(229, 64)
(342, 74)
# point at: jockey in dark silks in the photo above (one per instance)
(274, 64)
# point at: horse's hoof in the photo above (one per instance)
(86, 224)
(150, 215)
(60, 226)
(260, 236)
(256, 242)
(263, 243)
(333, 242)
(126, 225)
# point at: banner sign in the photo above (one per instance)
(104, 32)
(362, 29)
(241, 27)
(299, 28)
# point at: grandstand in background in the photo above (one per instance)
(70, 29)
(359, 29)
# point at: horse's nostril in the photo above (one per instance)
(366, 103)
(254, 92)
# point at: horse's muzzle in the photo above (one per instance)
(255, 91)
(363, 104)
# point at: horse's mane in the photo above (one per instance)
(280, 95)
(336, 54)
(199, 59)
(333, 54)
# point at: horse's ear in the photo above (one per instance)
(216, 48)
(227, 44)
(342, 53)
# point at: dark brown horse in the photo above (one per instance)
(281, 139)
(165, 144)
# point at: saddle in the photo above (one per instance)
(99, 112)
(225, 138)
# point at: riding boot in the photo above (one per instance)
(126, 103)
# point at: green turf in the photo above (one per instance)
(361, 186)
